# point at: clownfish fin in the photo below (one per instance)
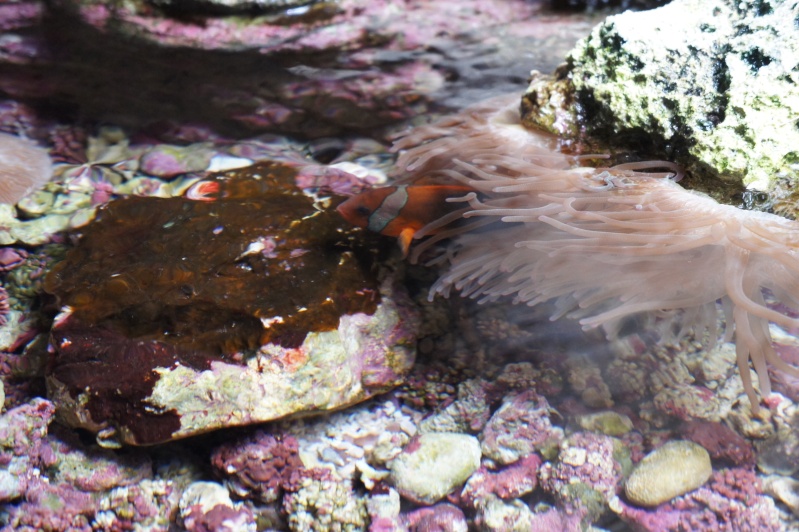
(405, 237)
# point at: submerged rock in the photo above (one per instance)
(249, 303)
(671, 470)
(434, 464)
(711, 84)
(587, 474)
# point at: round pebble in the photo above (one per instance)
(667, 472)
(434, 464)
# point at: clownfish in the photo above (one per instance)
(401, 210)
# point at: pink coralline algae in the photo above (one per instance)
(328, 179)
(235, 89)
(49, 507)
(521, 426)
(321, 68)
(90, 468)
(513, 481)
(220, 518)
(731, 502)
(167, 161)
(587, 474)
(721, 442)
(22, 446)
(53, 482)
(260, 467)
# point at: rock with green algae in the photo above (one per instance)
(249, 303)
(607, 422)
(711, 84)
(434, 464)
(669, 471)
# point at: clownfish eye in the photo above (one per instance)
(362, 210)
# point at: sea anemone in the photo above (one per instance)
(24, 167)
(603, 244)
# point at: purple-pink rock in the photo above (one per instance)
(52, 507)
(260, 466)
(513, 481)
(587, 474)
(169, 161)
(521, 426)
(23, 449)
(721, 442)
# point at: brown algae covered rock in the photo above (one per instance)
(669, 471)
(243, 302)
(709, 84)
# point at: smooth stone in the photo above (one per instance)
(667, 472)
(434, 464)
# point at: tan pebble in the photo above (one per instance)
(667, 472)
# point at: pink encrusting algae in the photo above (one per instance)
(602, 244)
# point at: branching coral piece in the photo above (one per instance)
(602, 244)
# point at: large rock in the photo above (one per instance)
(314, 68)
(712, 84)
(248, 303)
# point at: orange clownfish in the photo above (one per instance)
(402, 210)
